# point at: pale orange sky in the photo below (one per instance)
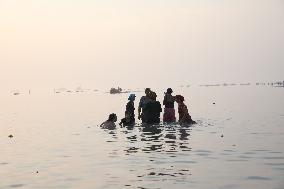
(57, 43)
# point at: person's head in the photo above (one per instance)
(147, 91)
(153, 95)
(112, 117)
(179, 98)
(169, 91)
(131, 97)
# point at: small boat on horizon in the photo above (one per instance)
(115, 91)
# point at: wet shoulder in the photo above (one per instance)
(108, 125)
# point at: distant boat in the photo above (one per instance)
(15, 92)
(244, 83)
(115, 91)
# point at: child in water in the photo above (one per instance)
(110, 123)
(129, 119)
(184, 117)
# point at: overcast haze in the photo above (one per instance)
(99, 44)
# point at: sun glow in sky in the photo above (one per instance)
(131, 43)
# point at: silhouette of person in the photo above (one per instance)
(142, 103)
(184, 117)
(169, 111)
(129, 118)
(110, 123)
(152, 110)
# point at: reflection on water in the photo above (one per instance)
(156, 138)
(56, 143)
(153, 144)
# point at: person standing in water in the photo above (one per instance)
(169, 111)
(152, 110)
(129, 118)
(143, 101)
(110, 123)
(184, 117)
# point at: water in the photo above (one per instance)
(237, 143)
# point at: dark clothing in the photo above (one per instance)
(127, 122)
(142, 104)
(129, 115)
(152, 112)
(169, 113)
(169, 101)
(143, 101)
(130, 108)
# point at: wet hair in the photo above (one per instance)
(147, 90)
(111, 117)
(169, 90)
(179, 98)
(153, 95)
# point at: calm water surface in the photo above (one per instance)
(57, 142)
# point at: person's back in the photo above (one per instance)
(169, 101)
(129, 119)
(142, 104)
(110, 123)
(152, 110)
(184, 117)
(169, 111)
(130, 108)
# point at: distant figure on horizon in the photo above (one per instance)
(169, 111)
(142, 103)
(110, 123)
(129, 118)
(152, 110)
(184, 117)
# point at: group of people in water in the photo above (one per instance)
(149, 110)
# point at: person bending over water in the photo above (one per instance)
(110, 123)
(184, 117)
(169, 111)
(143, 101)
(129, 119)
(152, 110)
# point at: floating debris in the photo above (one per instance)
(10, 136)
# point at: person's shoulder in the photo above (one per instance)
(157, 103)
(142, 97)
(108, 125)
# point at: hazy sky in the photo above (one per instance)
(103, 43)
